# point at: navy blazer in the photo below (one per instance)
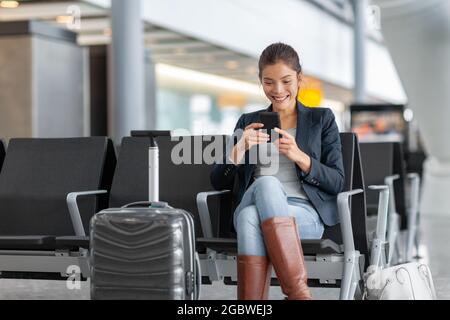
(317, 136)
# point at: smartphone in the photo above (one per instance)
(271, 120)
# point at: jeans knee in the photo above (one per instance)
(267, 183)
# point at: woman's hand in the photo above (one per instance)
(250, 138)
(288, 147)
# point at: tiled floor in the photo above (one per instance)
(57, 290)
(435, 251)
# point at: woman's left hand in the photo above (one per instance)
(288, 147)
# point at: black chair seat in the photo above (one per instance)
(27, 242)
(72, 243)
(310, 247)
(323, 246)
(228, 245)
(43, 243)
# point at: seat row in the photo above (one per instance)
(50, 189)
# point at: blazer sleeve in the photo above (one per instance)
(328, 173)
(223, 174)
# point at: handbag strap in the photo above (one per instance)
(429, 278)
(389, 281)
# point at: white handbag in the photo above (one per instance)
(411, 281)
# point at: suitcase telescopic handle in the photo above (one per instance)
(153, 160)
(150, 134)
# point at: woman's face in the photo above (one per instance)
(281, 84)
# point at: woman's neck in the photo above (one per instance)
(287, 113)
(288, 118)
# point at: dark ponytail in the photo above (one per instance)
(279, 52)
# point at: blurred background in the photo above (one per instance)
(198, 63)
(105, 67)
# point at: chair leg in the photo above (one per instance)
(346, 281)
(393, 235)
(350, 285)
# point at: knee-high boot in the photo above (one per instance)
(286, 254)
(254, 274)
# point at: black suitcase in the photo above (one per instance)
(144, 251)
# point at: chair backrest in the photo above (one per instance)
(179, 183)
(353, 180)
(37, 176)
(2, 153)
(379, 161)
(109, 168)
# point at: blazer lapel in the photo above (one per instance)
(304, 120)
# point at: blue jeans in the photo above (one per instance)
(267, 199)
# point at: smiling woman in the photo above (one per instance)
(280, 73)
(281, 86)
(298, 198)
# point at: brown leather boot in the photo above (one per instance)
(286, 254)
(254, 274)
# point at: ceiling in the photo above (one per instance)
(341, 9)
(166, 46)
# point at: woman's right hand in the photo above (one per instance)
(250, 138)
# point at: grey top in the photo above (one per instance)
(272, 163)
